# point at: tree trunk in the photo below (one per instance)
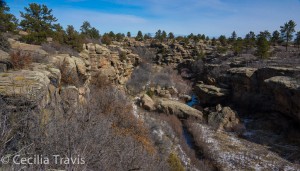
(286, 45)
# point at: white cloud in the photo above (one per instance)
(102, 21)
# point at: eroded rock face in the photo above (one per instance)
(117, 64)
(209, 94)
(179, 109)
(231, 153)
(286, 95)
(27, 47)
(21, 87)
(4, 61)
(266, 89)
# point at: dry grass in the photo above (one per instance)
(20, 59)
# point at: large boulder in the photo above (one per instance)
(27, 47)
(285, 95)
(5, 63)
(210, 94)
(147, 103)
(224, 119)
(24, 87)
(181, 110)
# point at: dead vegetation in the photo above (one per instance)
(20, 59)
(104, 133)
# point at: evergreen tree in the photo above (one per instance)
(297, 40)
(266, 34)
(275, 37)
(8, 22)
(128, 34)
(163, 35)
(171, 35)
(119, 37)
(233, 37)
(112, 35)
(139, 36)
(238, 46)
(158, 35)
(147, 36)
(263, 45)
(287, 31)
(59, 33)
(213, 41)
(203, 36)
(249, 40)
(37, 20)
(88, 31)
(223, 40)
(73, 38)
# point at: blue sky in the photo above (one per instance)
(210, 17)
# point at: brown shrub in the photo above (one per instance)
(55, 47)
(48, 48)
(174, 122)
(139, 78)
(20, 59)
(100, 81)
(40, 58)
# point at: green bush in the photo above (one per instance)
(4, 44)
(174, 163)
(34, 38)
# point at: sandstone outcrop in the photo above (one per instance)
(117, 64)
(147, 103)
(209, 94)
(286, 95)
(5, 63)
(266, 89)
(231, 153)
(223, 119)
(23, 87)
(179, 109)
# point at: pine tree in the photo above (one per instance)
(287, 31)
(58, 34)
(128, 34)
(8, 22)
(223, 40)
(297, 40)
(37, 20)
(139, 36)
(163, 36)
(158, 35)
(73, 38)
(171, 36)
(238, 46)
(263, 46)
(88, 31)
(233, 37)
(275, 37)
(250, 40)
